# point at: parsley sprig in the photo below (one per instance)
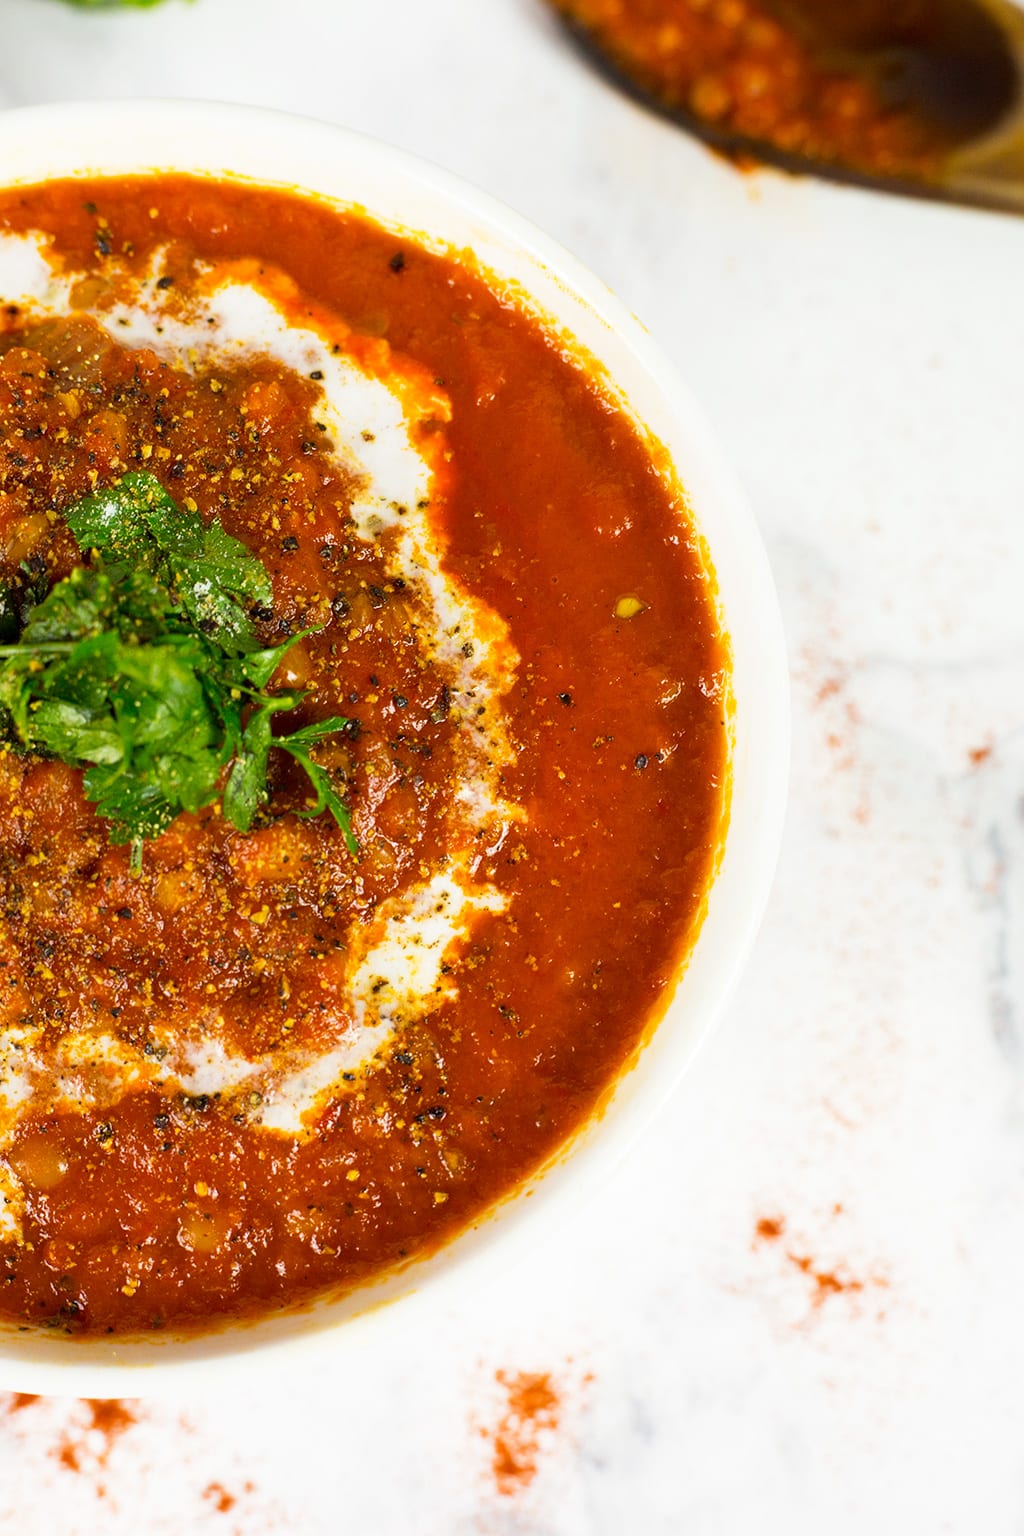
(143, 668)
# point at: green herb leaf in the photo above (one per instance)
(116, 521)
(327, 797)
(110, 5)
(212, 575)
(143, 668)
(246, 789)
(258, 667)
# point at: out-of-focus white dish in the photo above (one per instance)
(410, 196)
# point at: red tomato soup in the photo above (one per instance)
(243, 1068)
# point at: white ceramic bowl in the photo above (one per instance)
(407, 195)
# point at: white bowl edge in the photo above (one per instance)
(42, 143)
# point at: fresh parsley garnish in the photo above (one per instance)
(143, 668)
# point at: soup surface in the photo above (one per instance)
(264, 1067)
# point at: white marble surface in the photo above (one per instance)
(862, 360)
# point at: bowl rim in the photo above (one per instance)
(33, 1362)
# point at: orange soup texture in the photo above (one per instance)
(265, 1068)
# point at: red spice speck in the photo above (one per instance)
(219, 1497)
(79, 1435)
(979, 755)
(827, 1282)
(533, 1410)
(110, 1417)
(769, 1228)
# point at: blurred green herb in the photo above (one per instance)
(143, 668)
(110, 5)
